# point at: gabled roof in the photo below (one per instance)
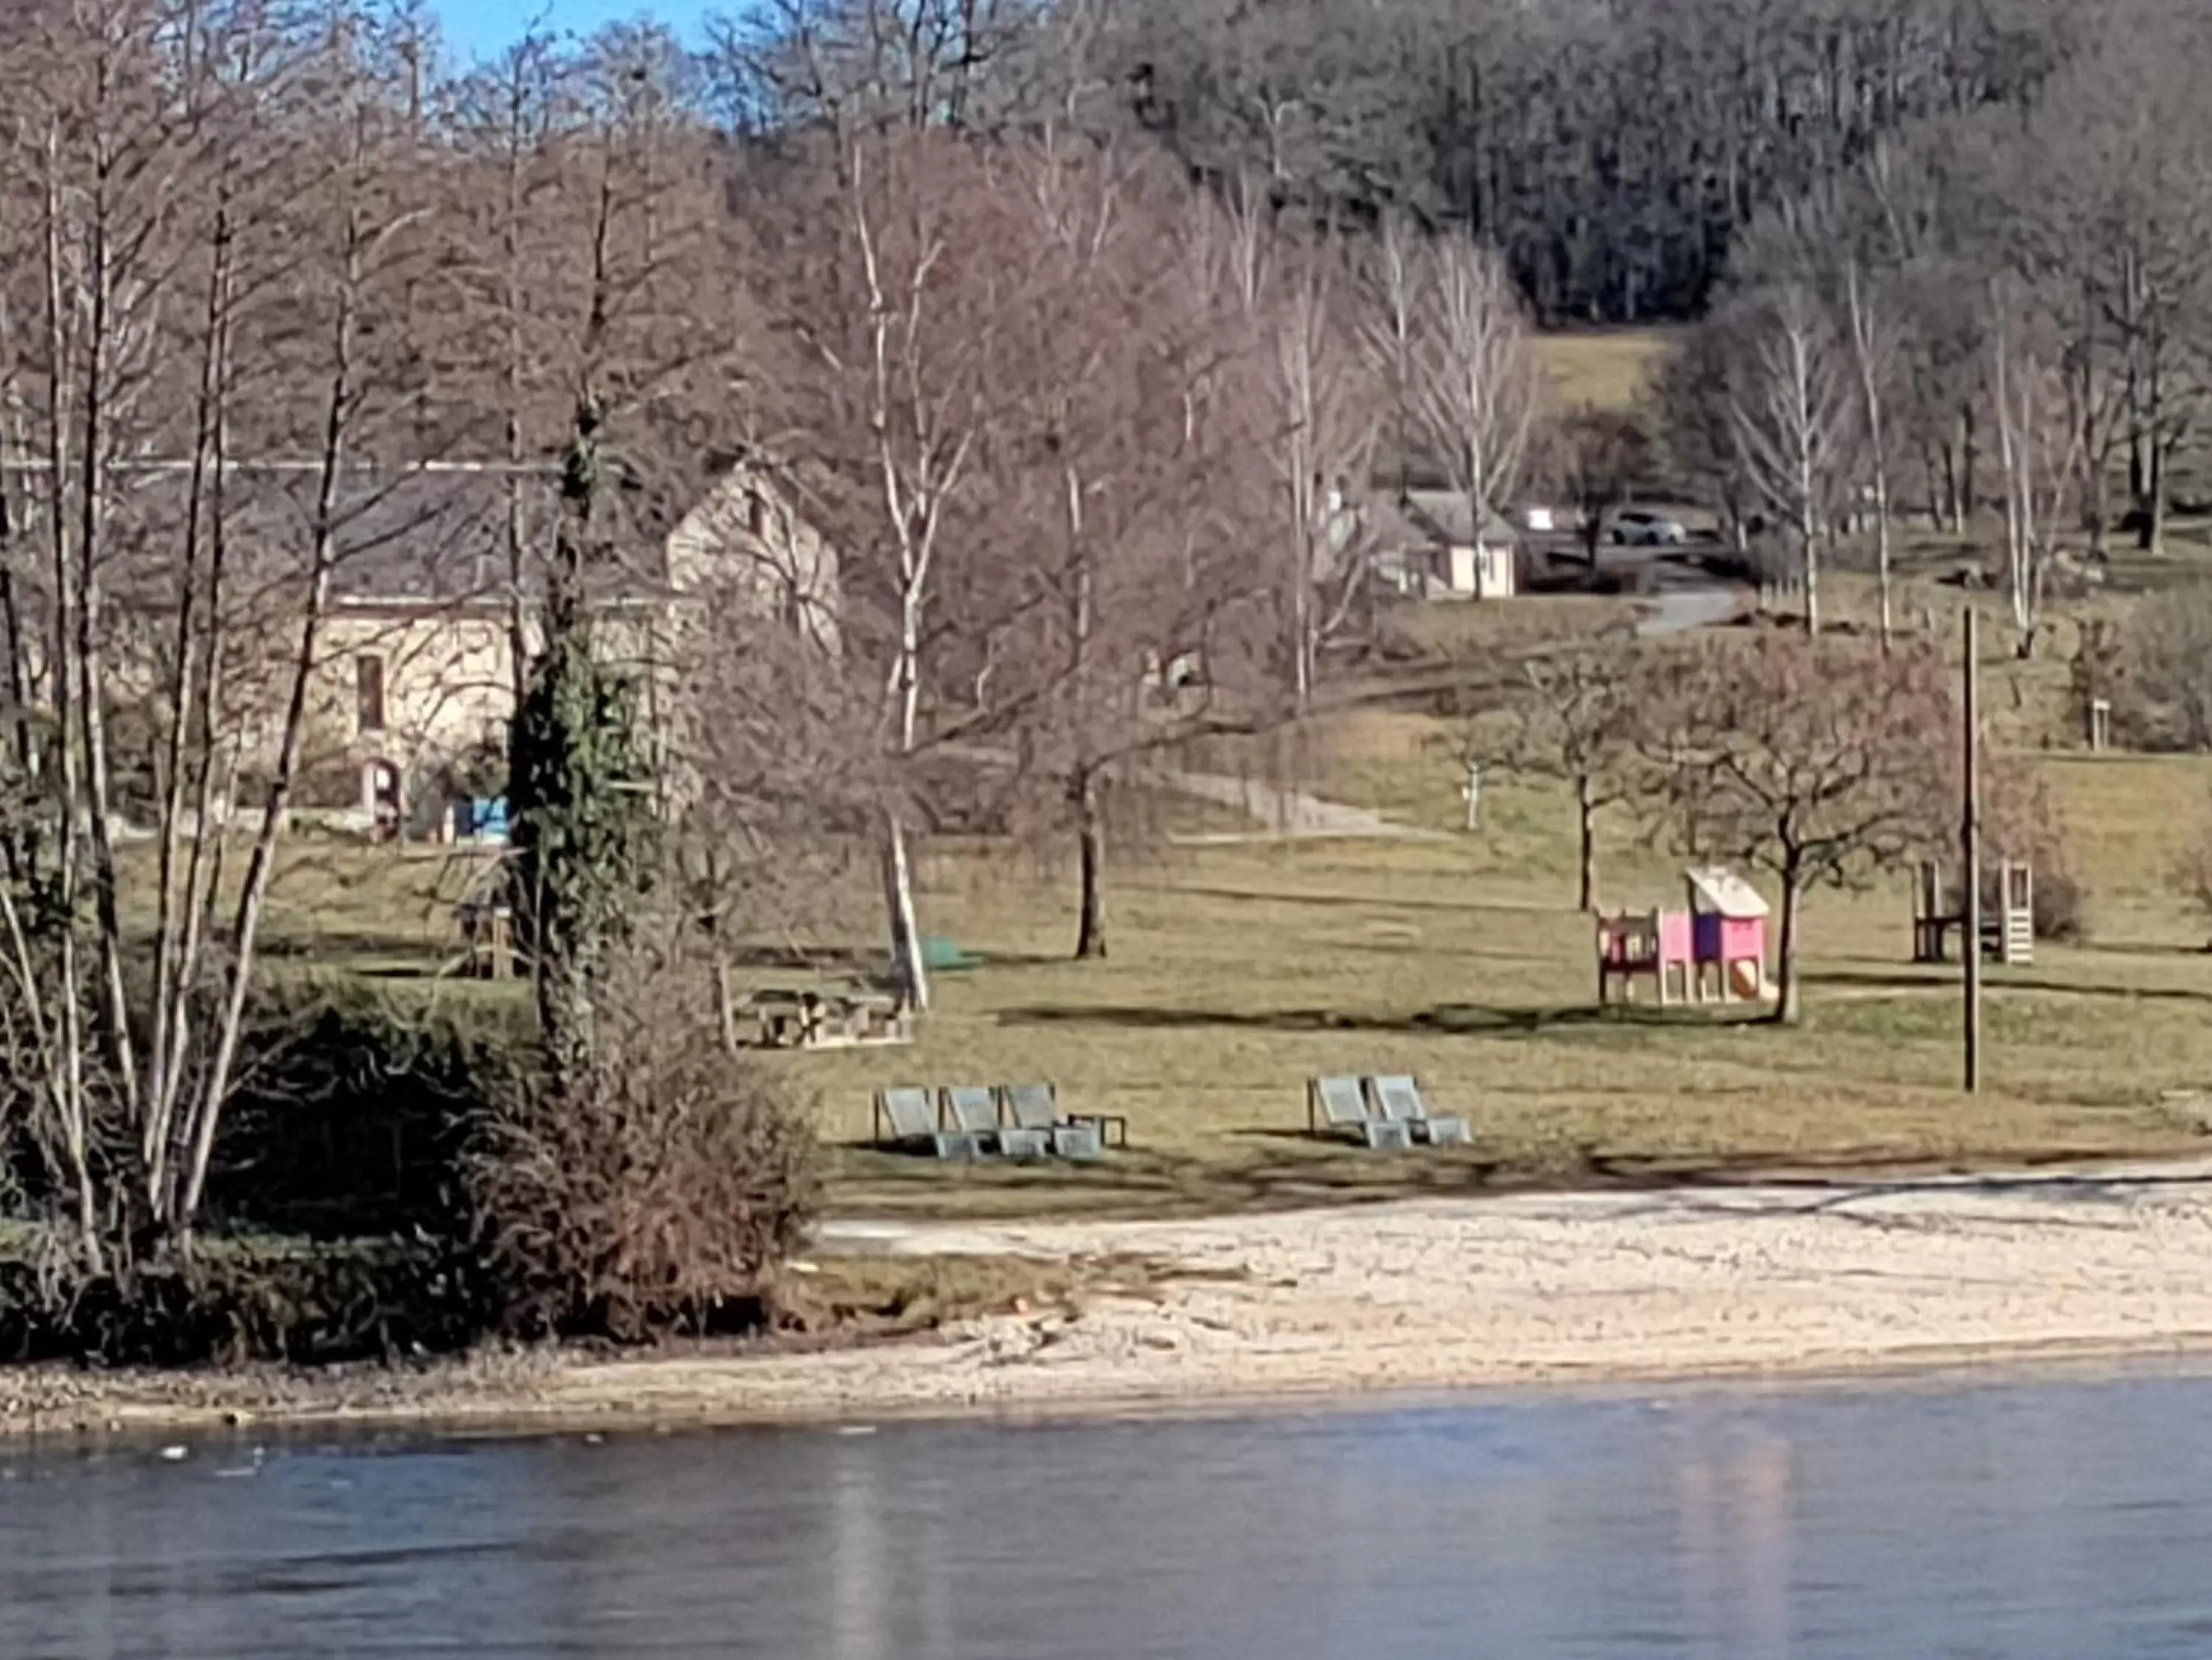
(1442, 516)
(434, 534)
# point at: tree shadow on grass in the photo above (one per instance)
(1997, 978)
(1800, 1187)
(1299, 1170)
(1445, 1020)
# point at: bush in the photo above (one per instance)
(236, 1304)
(2162, 691)
(650, 1193)
(353, 1112)
(2060, 909)
(2020, 821)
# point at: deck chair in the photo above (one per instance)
(1398, 1099)
(1339, 1106)
(974, 1112)
(912, 1117)
(1034, 1109)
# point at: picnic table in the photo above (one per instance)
(811, 1018)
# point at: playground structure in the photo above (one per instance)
(2008, 928)
(1716, 945)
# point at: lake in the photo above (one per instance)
(2065, 1519)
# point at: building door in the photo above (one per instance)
(385, 794)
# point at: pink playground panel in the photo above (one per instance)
(1723, 929)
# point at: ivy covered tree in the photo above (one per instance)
(579, 787)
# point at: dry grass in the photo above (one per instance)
(1240, 971)
(1462, 633)
(888, 1295)
(1603, 368)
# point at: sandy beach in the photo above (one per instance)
(1440, 1295)
(1775, 1280)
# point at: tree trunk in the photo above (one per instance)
(1091, 832)
(1969, 455)
(1586, 828)
(1808, 566)
(906, 961)
(1786, 1002)
(1882, 553)
(2154, 534)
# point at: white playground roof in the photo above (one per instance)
(1723, 892)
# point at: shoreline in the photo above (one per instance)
(1374, 1306)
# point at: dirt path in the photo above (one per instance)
(1288, 814)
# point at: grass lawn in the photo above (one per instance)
(1238, 971)
(1603, 368)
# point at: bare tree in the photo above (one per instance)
(1790, 413)
(893, 268)
(1874, 354)
(1692, 415)
(1476, 385)
(1395, 275)
(2165, 653)
(1578, 722)
(1134, 514)
(1812, 761)
(2038, 440)
(1298, 350)
(1599, 456)
(212, 262)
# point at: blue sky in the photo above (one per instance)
(482, 28)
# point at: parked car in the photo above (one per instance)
(1641, 529)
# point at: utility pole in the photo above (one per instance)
(1970, 860)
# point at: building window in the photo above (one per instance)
(369, 692)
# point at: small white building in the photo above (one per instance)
(1427, 547)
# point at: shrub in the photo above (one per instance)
(649, 1190)
(2061, 911)
(2020, 821)
(236, 1304)
(2162, 694)
(353, 1109)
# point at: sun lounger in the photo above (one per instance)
(1398, 1099)
(973, 1111)
(1338, 1106)
(914, 1126)
(1019, 1136)
(1034, 1109)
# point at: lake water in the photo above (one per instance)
(2069, 1520)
